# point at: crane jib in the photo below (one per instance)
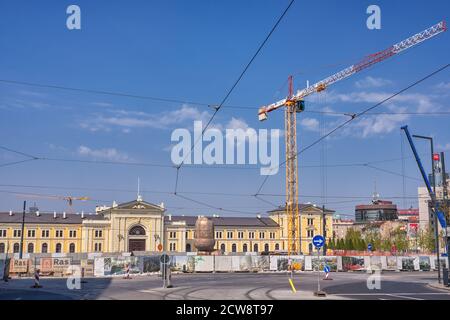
(363, 64)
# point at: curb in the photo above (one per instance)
(438, 287)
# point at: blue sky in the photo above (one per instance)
(194, 51)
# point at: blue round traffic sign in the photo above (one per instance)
(318, 241)
(369, 247)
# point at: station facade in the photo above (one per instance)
(142, 226)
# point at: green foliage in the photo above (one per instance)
(426, 240)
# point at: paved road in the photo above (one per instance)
(250, 286)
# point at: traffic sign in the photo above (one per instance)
(318, 241)
(165, 258)
(160, 247)
(369, 247)
(326, 269)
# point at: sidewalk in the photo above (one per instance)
(440, 286)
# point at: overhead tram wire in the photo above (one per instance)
(227, 95)
(358, 115)
(208, 105)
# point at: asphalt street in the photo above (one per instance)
(232, 286)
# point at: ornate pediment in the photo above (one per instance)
(139, 205)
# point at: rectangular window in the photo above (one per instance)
(272, 235)
(187, 234)
(310, 233)
(310, 221)
(230, 235)
(17, 233)
(98, 233)
(262, 235)
(31, 233)
(59, 233)
(45, 233)
(172, 234)
(72, 233)
(219, 235)
(3, 233)
(251, 235)
(98, 247)
(172, 246)
(241, 235)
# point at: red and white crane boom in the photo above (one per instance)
(363, 64)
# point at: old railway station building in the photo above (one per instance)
(142, 226)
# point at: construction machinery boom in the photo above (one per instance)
(294, 104)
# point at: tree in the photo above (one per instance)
(426, 240)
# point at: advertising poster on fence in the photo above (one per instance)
(99, 267)
(180, 263)
(375, 263)
(353, 263)
(61, 264)
(273, 263)
(391, 263)
(260, 263)
(318, 263)
(149, 264)
(19, 265)
(424, 263)
(434, 264)
(408, 263)
(203, 263)
(109, 266)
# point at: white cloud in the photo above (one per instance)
(310, 124)
(371, 82)
(443, 86)
(110, 154)
(381, 124)
(127, 120)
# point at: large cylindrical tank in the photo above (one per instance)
(204, 234)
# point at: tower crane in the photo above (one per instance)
(68, 199)
(294, 104)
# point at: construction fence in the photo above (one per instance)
(109, 265)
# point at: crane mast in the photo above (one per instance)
(294, 104)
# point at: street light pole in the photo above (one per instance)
(433, 178)
(22, 230)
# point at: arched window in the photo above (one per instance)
(2, 248)
(44, 248)
(266, 247)
(277, 246)
(58, 248)
(188, 247)
(255, 247)
(137, 231)
(222, 247)
(16, 248)
(30, 248)
(72, 248)
(233, 247)
(244, 248)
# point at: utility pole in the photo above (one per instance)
(22, 230)
(445, 201)
(324, 230)
(434, 204)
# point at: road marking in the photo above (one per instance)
(292, 285)
(404, 297)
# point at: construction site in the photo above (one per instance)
(203, 160)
